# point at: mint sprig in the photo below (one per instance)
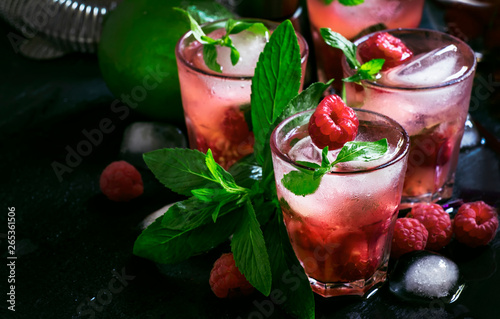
(209, 45)
(366, 71)
(346, 2)
(304, 182)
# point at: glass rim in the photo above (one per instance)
(470, 72)
(397, 157)
(304, 53)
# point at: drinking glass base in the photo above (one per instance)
(362, 288)
(442, 194)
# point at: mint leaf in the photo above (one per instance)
(351, 2)
(250, 253)
(221, 176)
(367, 71)
(163, 245)
(362, 151)
(303, 182)
(186, 215)
(276, 80)
(288, 276)
(306, 100)
(336, 40)
(232, 27)
(181, 170)
(210, 57)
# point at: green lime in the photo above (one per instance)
(137, 52)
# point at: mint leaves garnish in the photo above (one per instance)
(304, 182)
(346, 2)
(209, 45)
(366, 71)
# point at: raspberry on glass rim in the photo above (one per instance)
(333, 123)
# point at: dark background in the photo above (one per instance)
(71, 241)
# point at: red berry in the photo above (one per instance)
(234, 126)
(475, 224)
(121, 182)
(383, 45)
(409, 235)
(436, 221)
(333, 123)
(226, 280)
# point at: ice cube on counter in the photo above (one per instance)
(423, 276)
(143, 137)
(428, 69)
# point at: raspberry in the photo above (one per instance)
(382, 45)
(234, 126)
(475, 224)
(333, 123)
(436, 221)
(121, 182)
(409, 235)
(226, 280)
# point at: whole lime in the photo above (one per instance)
(137, 52)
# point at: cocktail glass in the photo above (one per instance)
(342, 232)
(350, 21)
(216, 104)
(429, 95)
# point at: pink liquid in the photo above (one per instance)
(350, 21)
(216, 106)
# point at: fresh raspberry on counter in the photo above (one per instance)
(121, 182)
(409, 235)
(436, 221)
(383, 45)
(333, 123)
(226, 280)
(475, 224)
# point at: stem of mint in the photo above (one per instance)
(209, 44)
(306, 181)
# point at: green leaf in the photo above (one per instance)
(306, 100)
(336, 40)
(250, 253)
(210, 57)
(362, 151)
(246, 171)
(221, 176)
(287, 274)
(301, 183)
(367, 71)
(276, 80)
(351, 2)
(195, 27)
(235, 26)
(181, 170)
(187, 214)
(162, 245)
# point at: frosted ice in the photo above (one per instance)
(428, 69)
(249, 45)
(305, 150)
(432, 276)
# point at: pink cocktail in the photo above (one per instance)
(216, 105)
(350, 21)
(429, 95)
(342, 232)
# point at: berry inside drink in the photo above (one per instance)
(342, 232)
(217, 105)
(428, 94)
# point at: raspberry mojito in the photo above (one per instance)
(216, 104)
(426, 86)
(350, 21)
(340, 225)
